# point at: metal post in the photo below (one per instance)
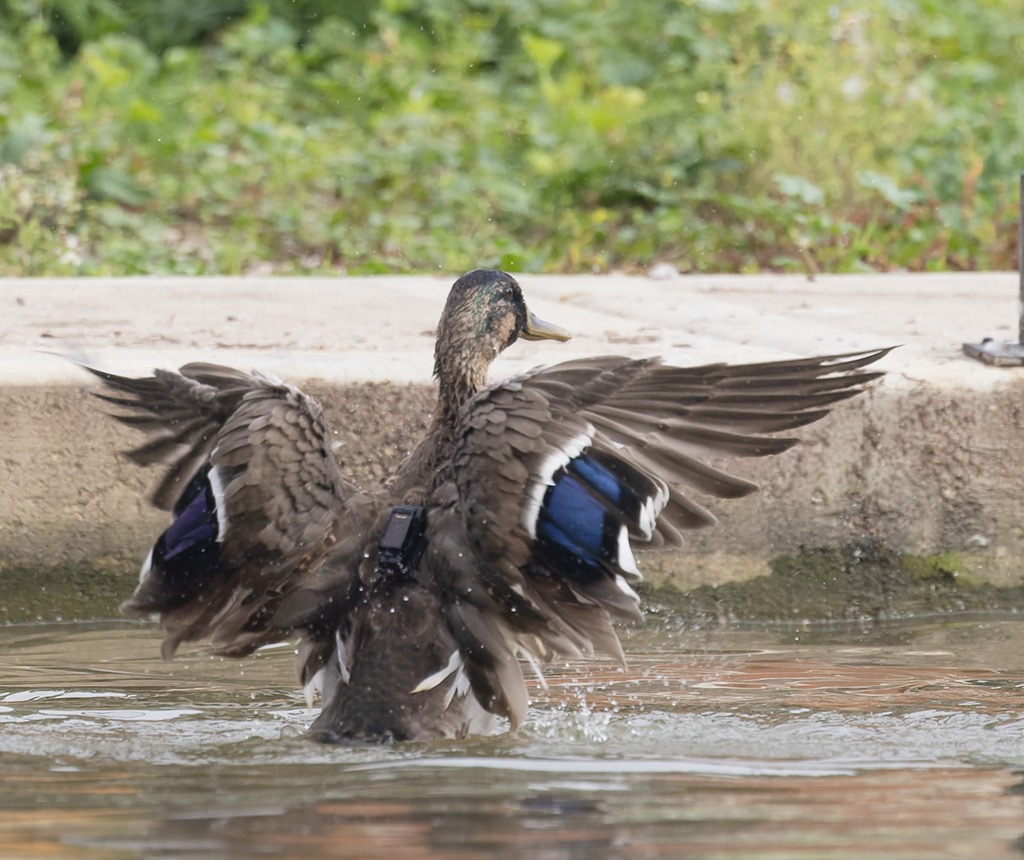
(1007, 354)
(1020, 264)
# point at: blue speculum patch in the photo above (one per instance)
(575, 525)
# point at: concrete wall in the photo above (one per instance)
(917, 467)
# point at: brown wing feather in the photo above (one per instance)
(662, 422)
(282, 505)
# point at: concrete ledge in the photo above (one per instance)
(928, 461)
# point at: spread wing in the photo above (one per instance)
(560, 471)
(257, 500)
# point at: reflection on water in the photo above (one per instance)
(897, 741)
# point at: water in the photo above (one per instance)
(902, 741)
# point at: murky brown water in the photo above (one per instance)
(897, 741)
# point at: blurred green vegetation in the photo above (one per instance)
(167, 136)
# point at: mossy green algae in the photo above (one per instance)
(852, 584)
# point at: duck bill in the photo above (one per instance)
(537, 329)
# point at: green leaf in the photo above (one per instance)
(888, 189)
(798, 188)
(106, 183)
(544, 52)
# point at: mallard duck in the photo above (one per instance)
(506, 536)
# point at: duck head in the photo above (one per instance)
(484, 315)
